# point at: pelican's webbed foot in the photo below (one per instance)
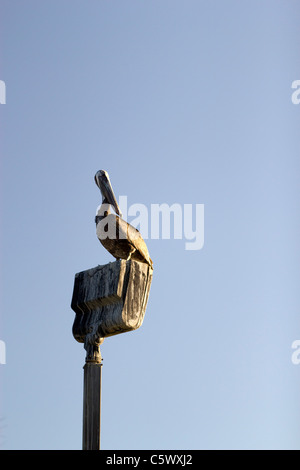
(130, 253)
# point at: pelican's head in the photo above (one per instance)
(103, 182)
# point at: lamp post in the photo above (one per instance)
(91, 406)
(108, 300)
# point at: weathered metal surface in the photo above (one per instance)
(109, 300)
(91, 406)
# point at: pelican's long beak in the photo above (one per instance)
(103, 182)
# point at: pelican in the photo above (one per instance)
(121, 239)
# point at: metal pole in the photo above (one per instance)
(91, 405)
(108, 300)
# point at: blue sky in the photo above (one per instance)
(184, 102)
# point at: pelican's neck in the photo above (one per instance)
(103, 211)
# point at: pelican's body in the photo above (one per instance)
(120, 238)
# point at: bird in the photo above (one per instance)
(118, 237)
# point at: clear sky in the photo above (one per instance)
(185, 102)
